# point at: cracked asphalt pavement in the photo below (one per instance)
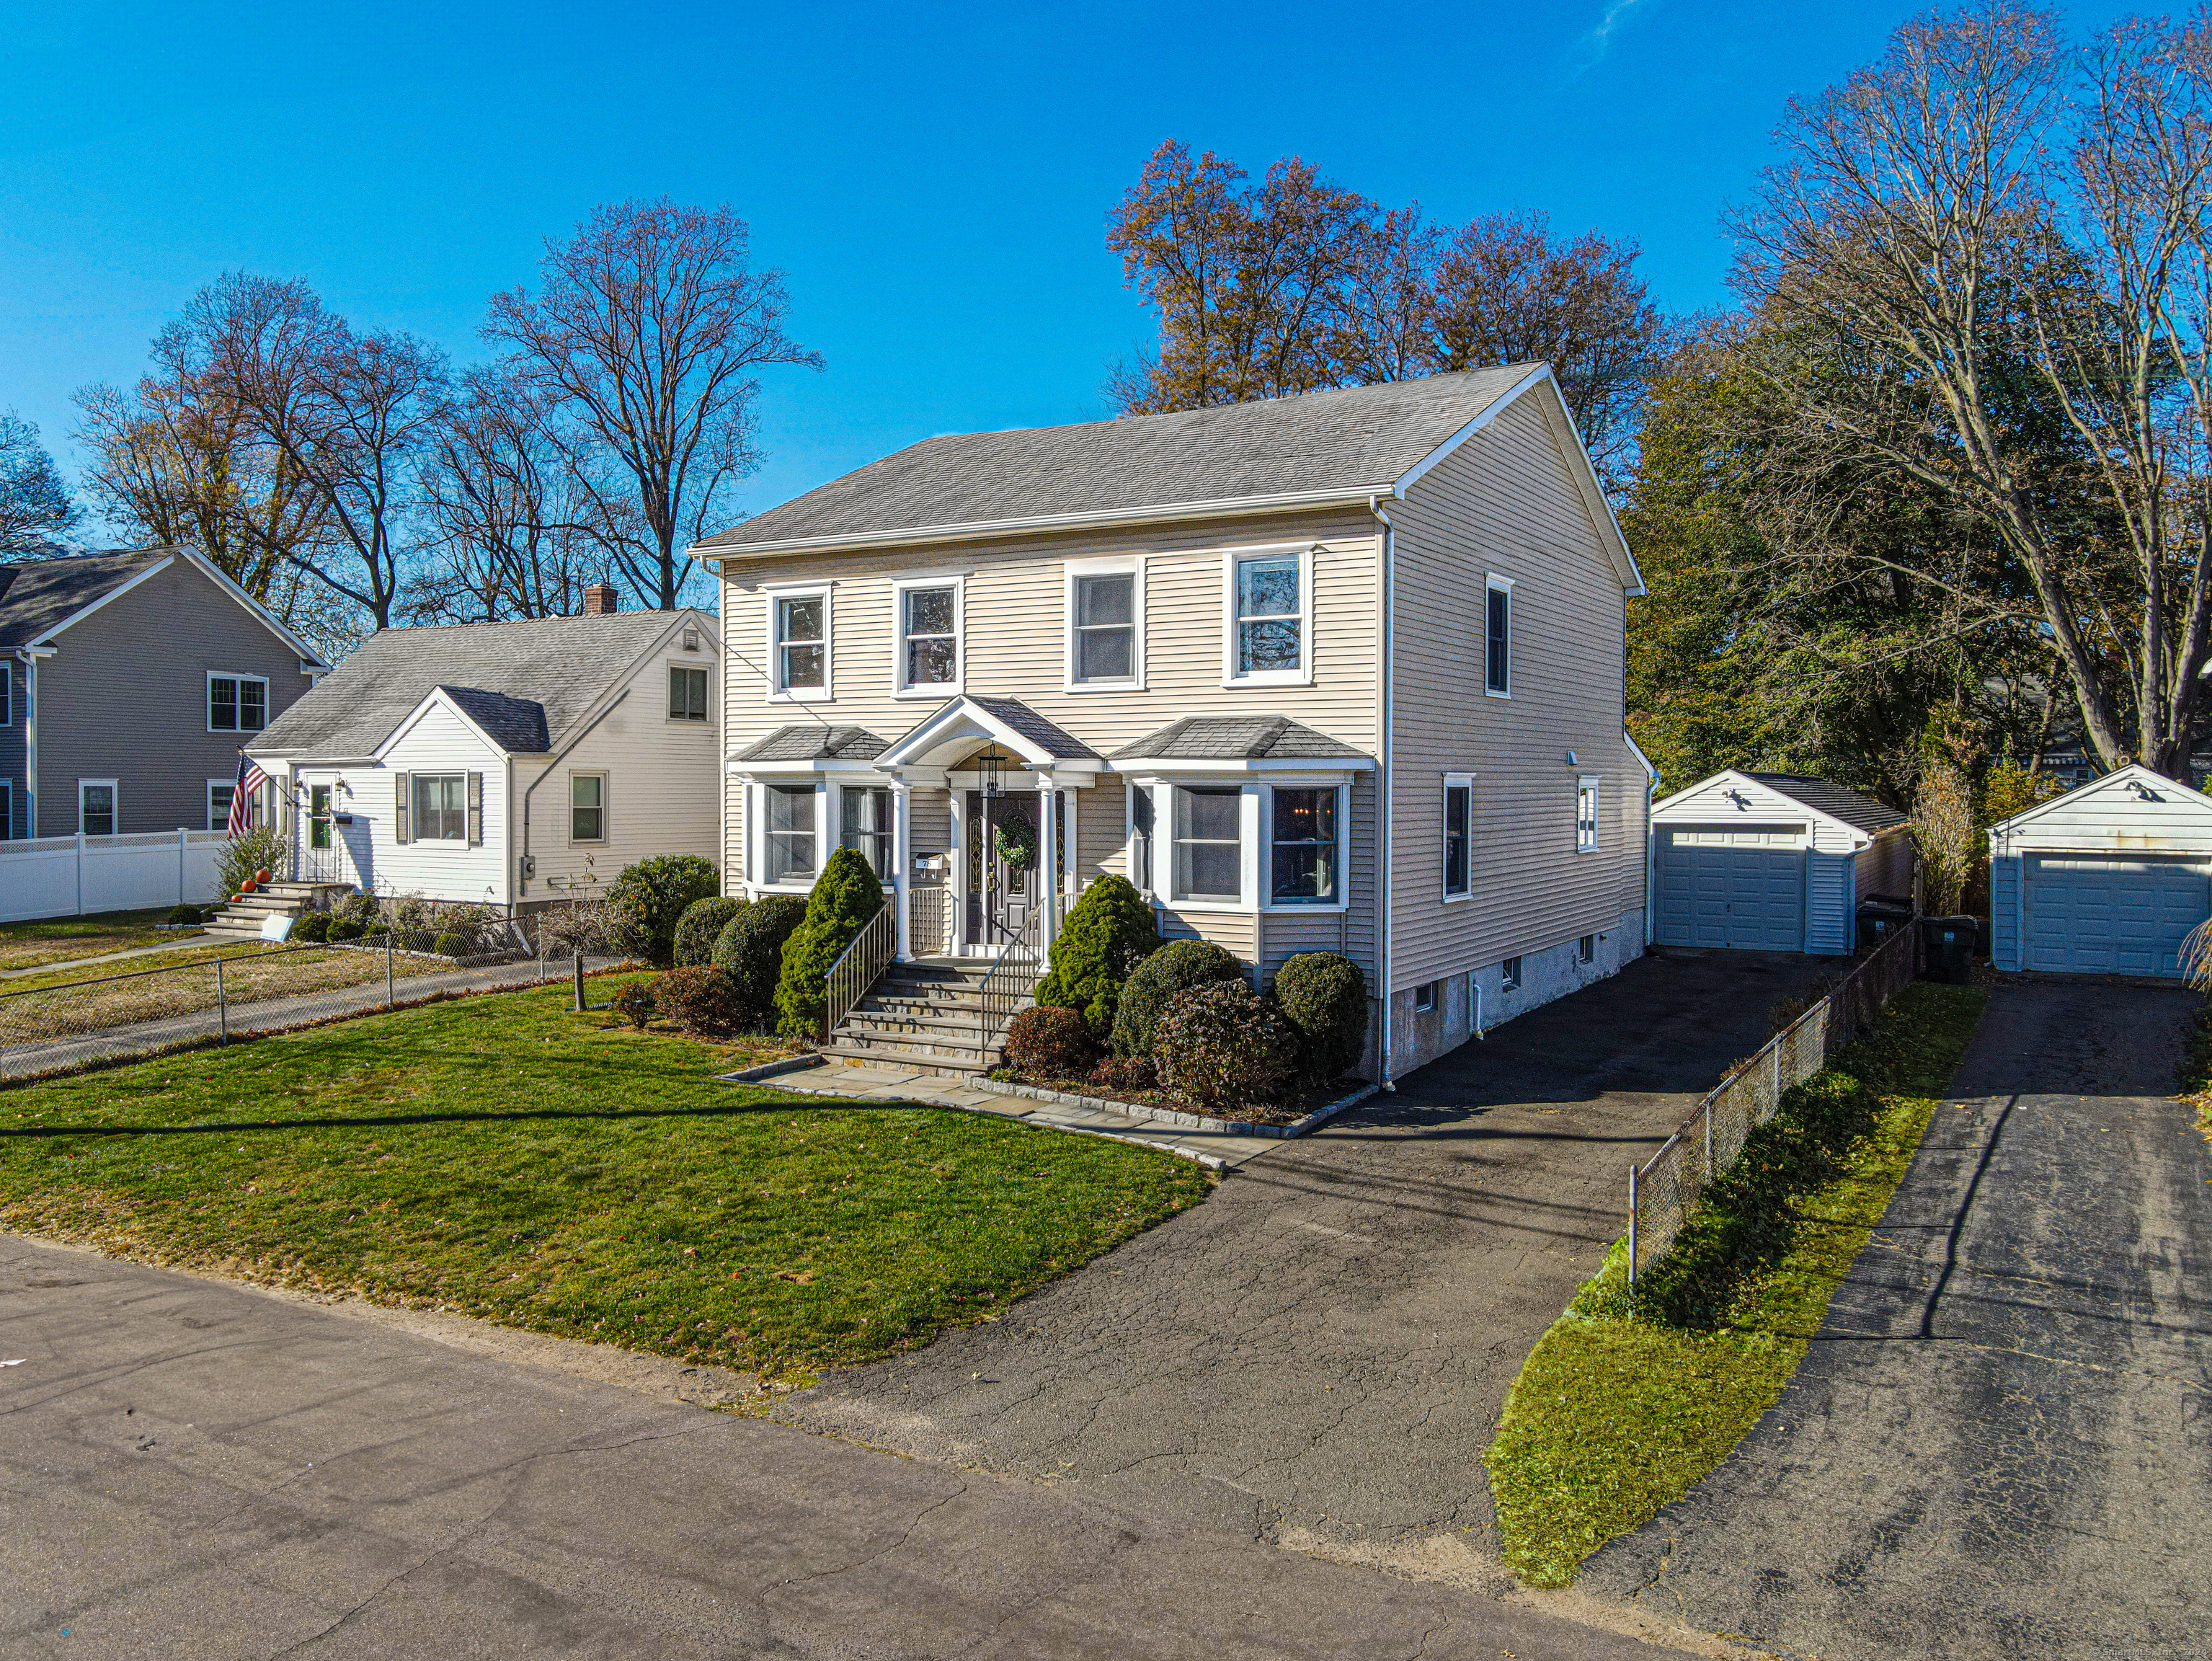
(1317, 1356)
(1997, 1445)
(190, 1469)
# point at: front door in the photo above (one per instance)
(1003, 857)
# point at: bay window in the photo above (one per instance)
(1305, 866)
(787, 833)
(1209, 843)
(866, 825)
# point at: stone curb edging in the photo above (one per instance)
(771, 1069)
(1182, 1120)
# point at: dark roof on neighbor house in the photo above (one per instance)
(809, 740)
(36, 595)
(1342, 441)
(1055, 741)
(516, 725)
(1863, 812)
(560, 665)
(1236, 737)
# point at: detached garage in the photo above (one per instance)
(1771, 861)
(2107, 879)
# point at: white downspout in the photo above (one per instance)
(29, 656)
(1384, 782)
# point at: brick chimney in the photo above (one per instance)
(601, 600)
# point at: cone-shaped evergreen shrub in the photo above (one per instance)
(1324, 995)
(701, 926)
(1144, 995)
(845, 895)
(750, 952)
(1106, 933)
(648, 898)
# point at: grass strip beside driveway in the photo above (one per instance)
(501, 1158)
(1623, 1406)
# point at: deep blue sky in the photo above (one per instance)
(934, 187)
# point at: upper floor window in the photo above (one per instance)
(1269, 602)
(1459, 837)
(1105, 625)
(237, 703)
(929, 637)
(1497, 638)
(687, 693)
(1209, 844)
(1586, 816)
(798, 645)
(7, 693)
(1305, 868)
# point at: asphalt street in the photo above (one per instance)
(1997, 1446)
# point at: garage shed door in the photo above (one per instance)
(2095, 915)
(1741, 886)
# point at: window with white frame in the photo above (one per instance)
(96, 806)
(1586, 949)
(1459, 836)
(929, 636)
(237, 703)
(1586, 816)
(218, 803)
(1497, 638)
(1105, 626)
(1305, 867)
(1267, 601)
(1140, 838)
(799, 645)
(1209, 843)
(587, 807)
(866, 826)
(1424, 997)
(687, 693)
(787, 833)
(439, 805)
(1508, 974)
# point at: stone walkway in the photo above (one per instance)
(1223, 1152)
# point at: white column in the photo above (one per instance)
(1048, 834)
(902, 855)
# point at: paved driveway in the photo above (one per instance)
(1317, 1356)
(1998, 1444)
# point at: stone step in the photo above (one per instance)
(842, 1055)
(894, 1020)
(970, 1045)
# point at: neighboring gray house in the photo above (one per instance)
(130, 682)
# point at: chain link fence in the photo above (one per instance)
(1663, 1191)
(203, 995)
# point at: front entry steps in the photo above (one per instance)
(240, 918)
(927, 1015)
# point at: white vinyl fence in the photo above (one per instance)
(72, 876)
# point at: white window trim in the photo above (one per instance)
(415, 836)
(1148, 888)
(1494, 583)
(1301, 676)
(935, 691)
(756, 838)
(606, 825)
(114, 803)
(207, 700)
(1455, 781)
(1248, 875)
(1520, 974)
(214, 785)
(1131, 565)
(1593, 783)
(825, 693)
(668, 668)
(1266, 860)
(1426, 990)
(837, 799)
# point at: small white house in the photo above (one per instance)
(1774, 862)
(498, 764)
(2107, 879)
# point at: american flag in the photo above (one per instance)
(250, 778)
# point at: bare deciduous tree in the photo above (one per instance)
(647, 332)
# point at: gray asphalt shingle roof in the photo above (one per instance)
(1345, 440)
(808, 740)
(1236, 737)
(562, 665)
(517, 725)
(1055, 741)
(1853, 809)
(37, 595)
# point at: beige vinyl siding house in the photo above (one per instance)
(1235, 652)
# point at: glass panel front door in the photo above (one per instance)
(1002, 858)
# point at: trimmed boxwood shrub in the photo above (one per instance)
(699, 999)
(1048, 1042)
(1220, 1045)
(1108, 932)
(634, 1001)
(1323, 995)
(1152, 982)
(345, 929)
(452, 944)
(187, 914)
(313, 928)
(750, 952)
(845, 895)
(648, 899)
(701, 926)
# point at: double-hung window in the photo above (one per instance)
(1304, 867)
(798, 647)
(929, 637)
(1141, 837)
(218, 803)
(1105, 627)
(1268, 594)
(7, 810)
(7, 693)
(96, 806)
(1459, 836)
(237, 703)
(787, 832)
(1498, 637)
(687, 693)
(440, 802)
(587, 807)
(1209, 843)
(1586, 816)
(866, 825)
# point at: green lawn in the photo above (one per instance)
(1621, 1408)
(500, 1157)
(52, 940)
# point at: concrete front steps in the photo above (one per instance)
(242, 919)
(927, 1016)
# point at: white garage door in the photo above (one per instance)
(1742, 886)
(2094, 915)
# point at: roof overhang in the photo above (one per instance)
(1860, 836)
(437, 699)
(951, 730)
(737, 767)
(2135, 776)
(1183, 766)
